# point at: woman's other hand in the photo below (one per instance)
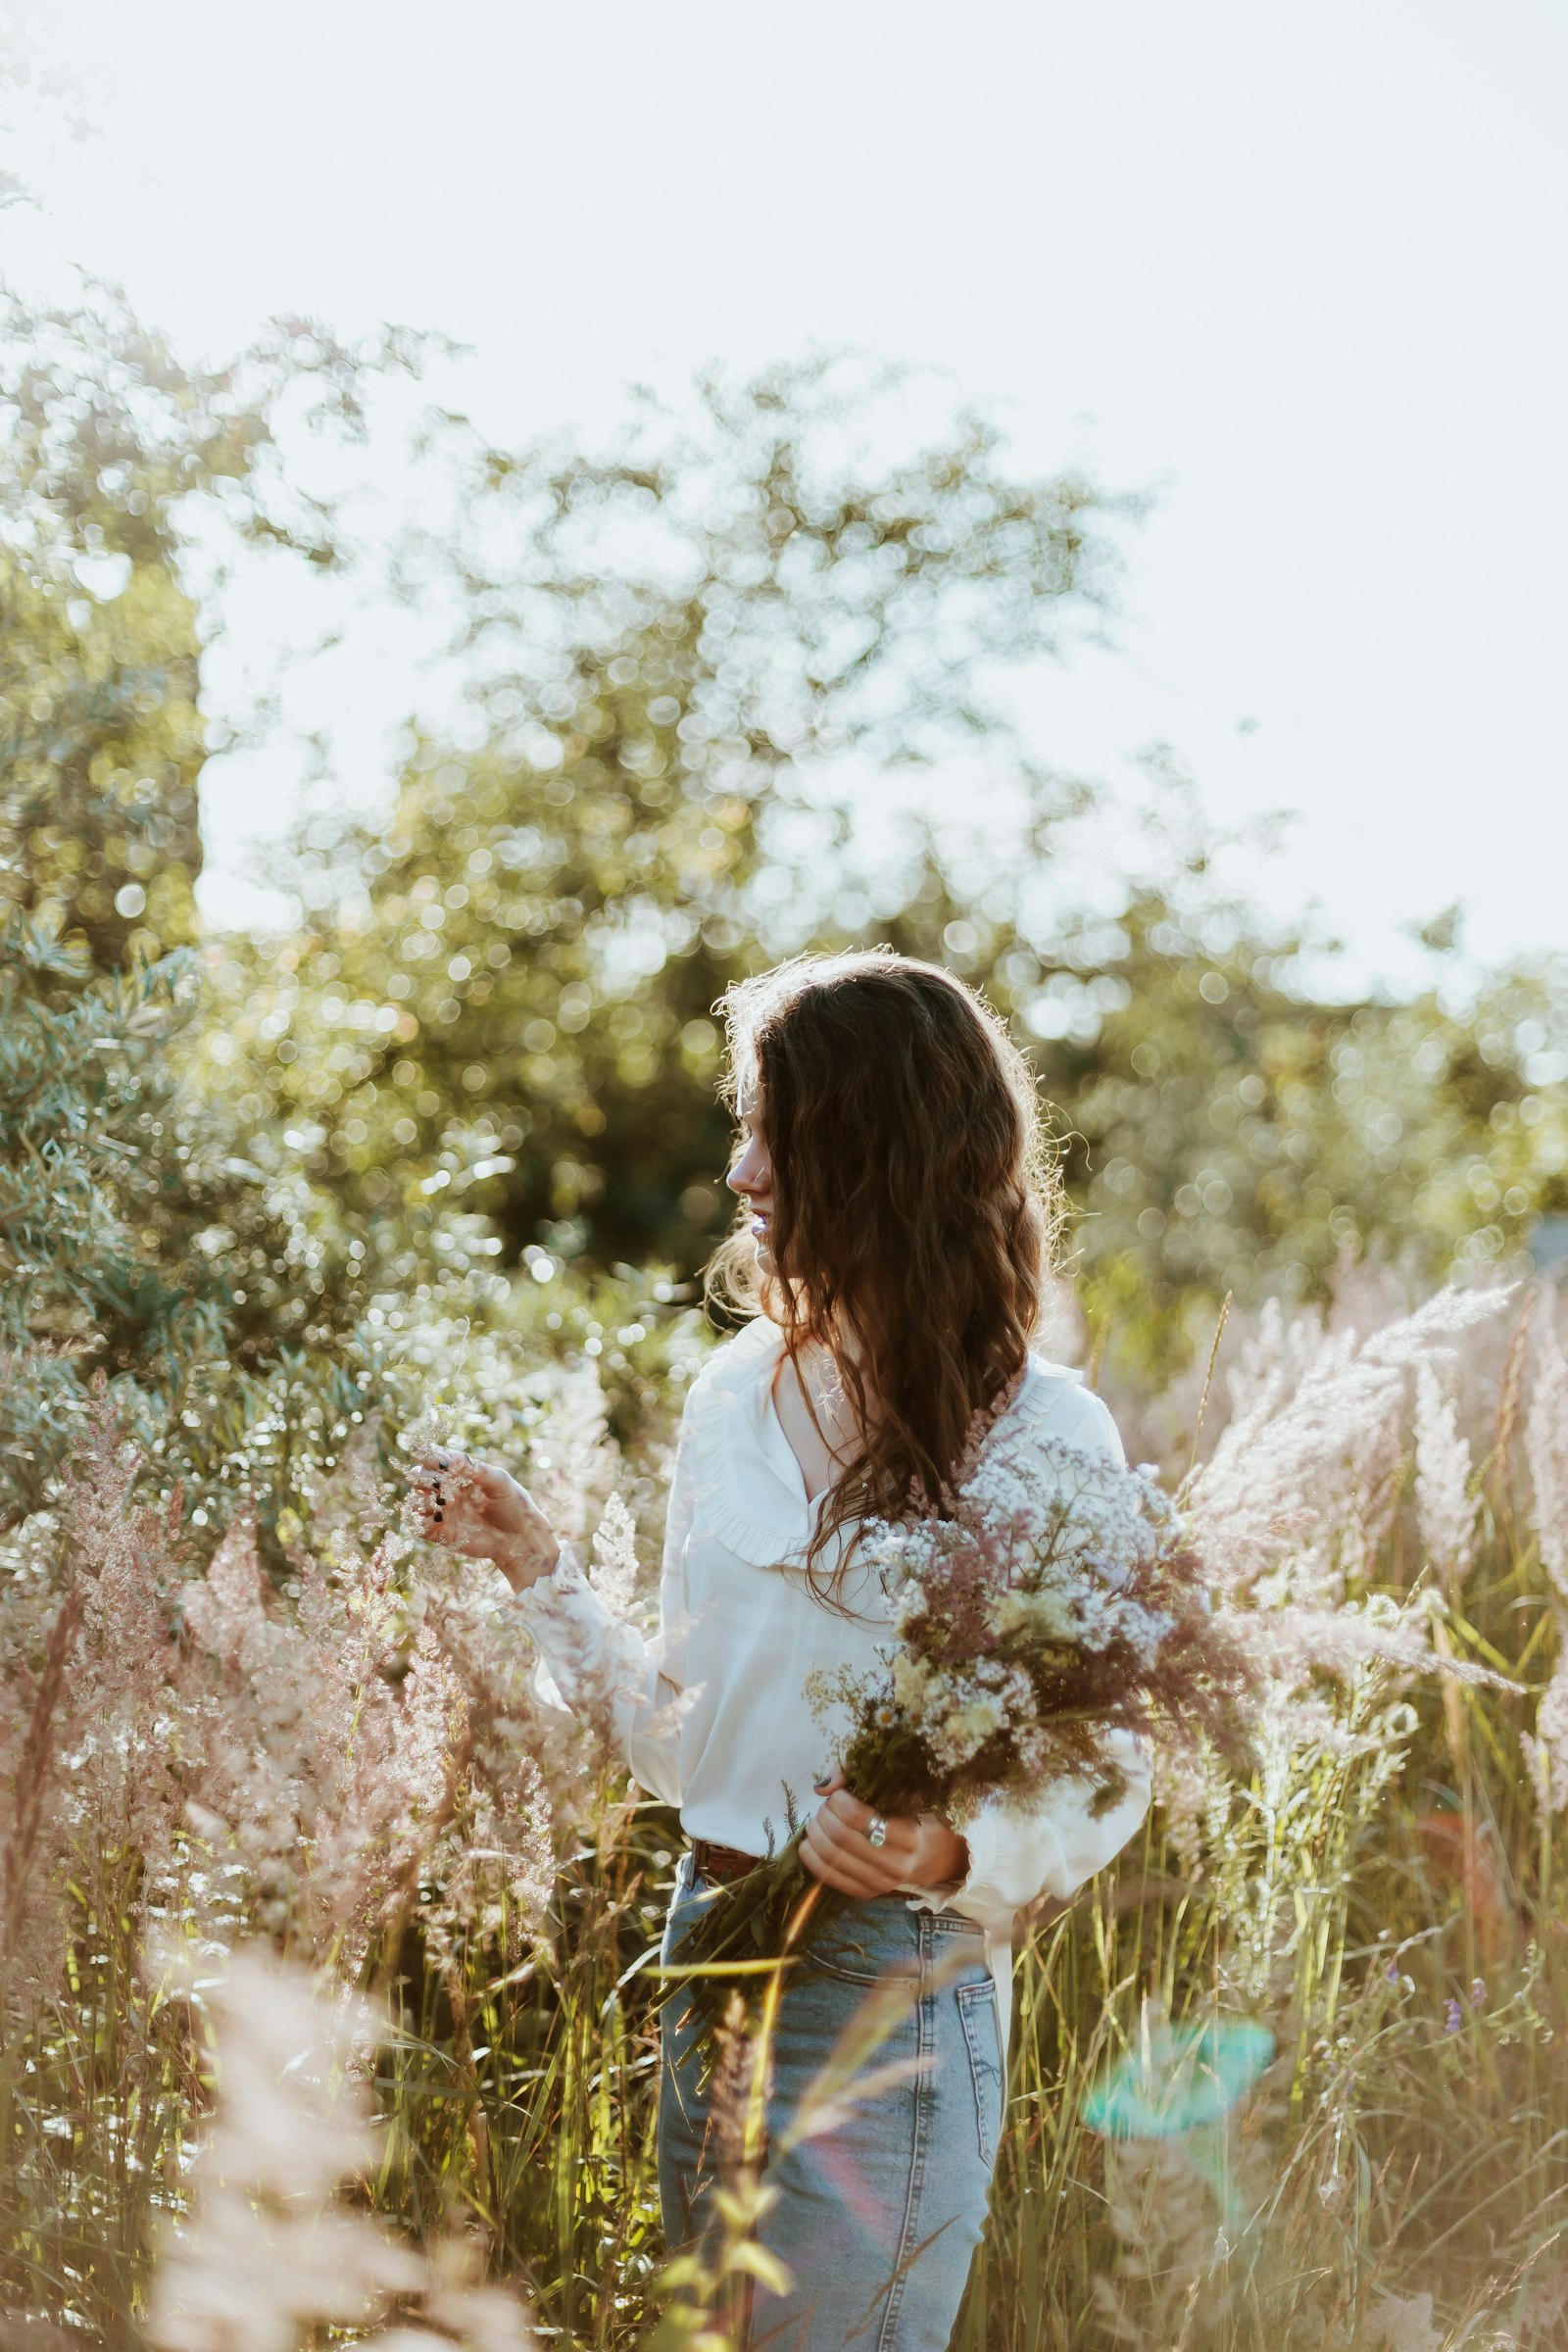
(478, 1509)
(917, 1852)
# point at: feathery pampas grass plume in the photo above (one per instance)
(1299, 1488)
(323, 1760)
(353, 1752)
(88, 1739)
(1546, 1451)
(1445, 1503)
(332, 1753)
(269, 2253)
(1289, 1513)
(614, 1573)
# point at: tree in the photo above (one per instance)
(671, 651)
(119, 1198)
(1225, 1127)
(106, 441)
(1228, 1125)
(492, 1031)
(76, 1076)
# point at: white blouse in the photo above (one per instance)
(712, 1713)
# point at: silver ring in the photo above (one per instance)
(877, 1834)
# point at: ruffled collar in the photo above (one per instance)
(750, 1487)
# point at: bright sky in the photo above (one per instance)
(1300, 269)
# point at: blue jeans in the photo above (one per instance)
(876, 2218)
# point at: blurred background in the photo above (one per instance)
(510, 517)
(510, 525)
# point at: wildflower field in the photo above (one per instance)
(343, 1766)
(327, 1933)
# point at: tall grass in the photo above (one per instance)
(1387, 1894)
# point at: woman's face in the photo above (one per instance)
(751, 1174)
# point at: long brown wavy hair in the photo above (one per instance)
(915, 1209)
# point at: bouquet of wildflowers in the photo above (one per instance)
(1053, 1599)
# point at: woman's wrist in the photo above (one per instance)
(943, 1858)
(526, 1561)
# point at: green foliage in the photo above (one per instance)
(81, 1084)
(1225, 1127)
(673, 645)
(101, 432)
(1232, 1133)
(493, 1031)
(125, 1213)
(110, 446)
(674, 655)
(120, 1206)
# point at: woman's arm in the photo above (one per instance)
(1001, 1859)
(603, 1668)
(1057, 1844)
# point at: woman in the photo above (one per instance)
(897, 1219)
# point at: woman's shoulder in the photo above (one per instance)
(1052, 1399)
(1054, 1402)
(738, 1495)
(736, 1363)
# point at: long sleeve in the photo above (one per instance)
(1055, 1846)
(603, 1667)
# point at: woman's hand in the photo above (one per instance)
(479, 1509)
(917, 1852)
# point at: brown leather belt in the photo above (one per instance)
(709, 1861)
